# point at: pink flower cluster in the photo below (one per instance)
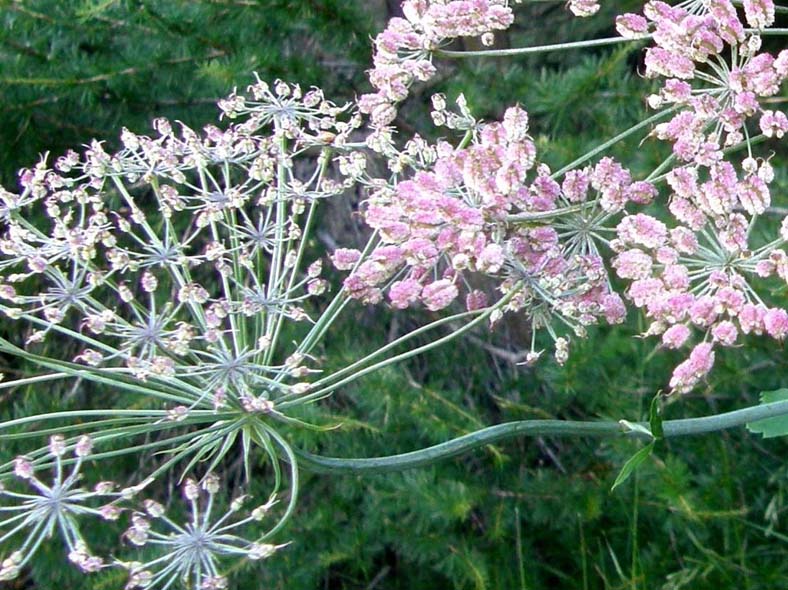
(475, 211)
(693, 43)
(697, 275)
(694, 277)
(444, 218)
(402, 52)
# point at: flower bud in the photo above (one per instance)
(154, 508)
(211, 483)
(261, 551)
(84, 446)
(191, 490)
(23, 468)
(110, 512)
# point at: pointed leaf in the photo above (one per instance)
(655, 417)
(632, 464)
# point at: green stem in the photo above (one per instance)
(570, 45)
(324, 386)
(466, 139)
(492, 434)
(613, 140)
(356, 365)
(278, 255)
(537, 48)
(542, 215)
(292, 458)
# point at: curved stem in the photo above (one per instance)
(492, 434)
(292, 459)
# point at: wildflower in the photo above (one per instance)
(173, 264)
(480, 209)
(403, 52)
(699, 274)
(170, 301)
(717, 96)
(192, 553)
(50, 508)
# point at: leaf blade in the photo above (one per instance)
(771, 427)
(633, 463)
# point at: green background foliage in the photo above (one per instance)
(703, 513)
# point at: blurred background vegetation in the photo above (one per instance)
(707, 513)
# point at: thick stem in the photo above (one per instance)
(492, 434)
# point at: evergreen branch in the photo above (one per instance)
(25, 49)
(131, 71)
(233, 2)
(493, 434)
(33, 103)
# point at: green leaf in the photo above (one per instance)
(771, 427)
(632, 464)
(655, 417)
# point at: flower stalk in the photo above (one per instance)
(535, 428)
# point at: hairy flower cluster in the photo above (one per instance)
(28, 519)
(403, 51)
(191, 553)
(475, 210)
(713, 72)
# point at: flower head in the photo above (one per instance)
(192, 553)
(29, 518)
